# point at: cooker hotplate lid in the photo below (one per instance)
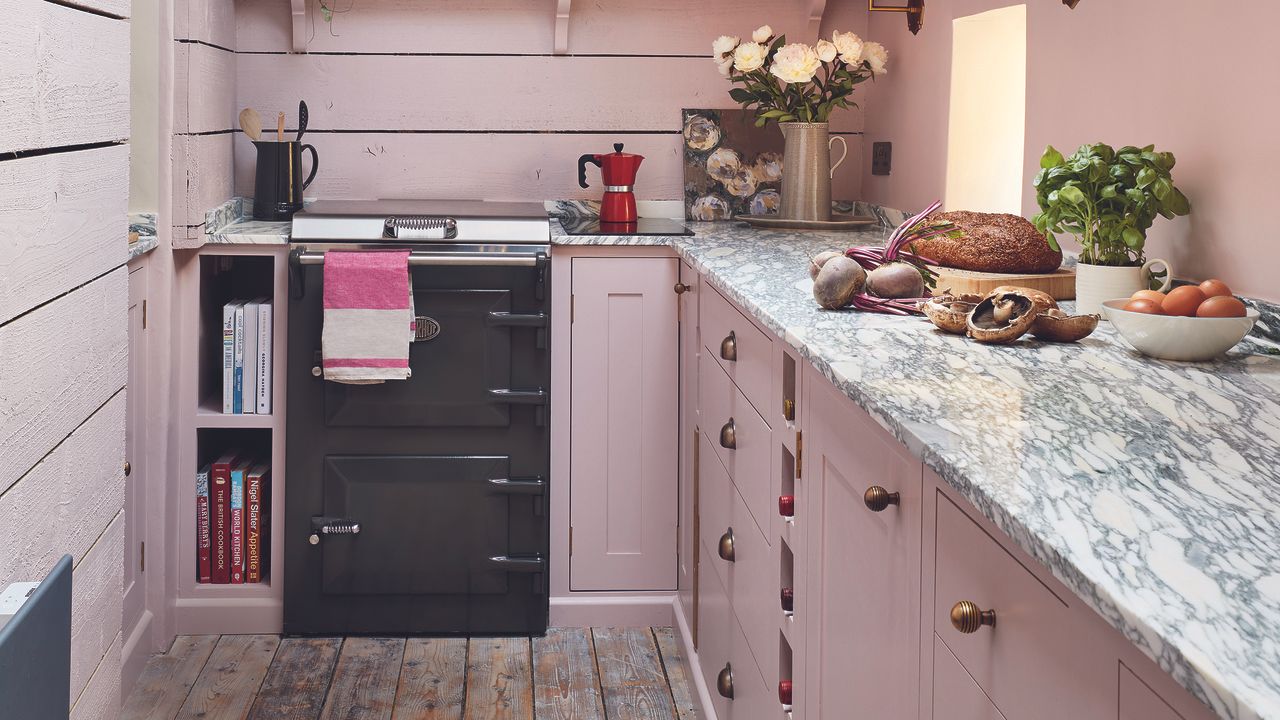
(422, 221)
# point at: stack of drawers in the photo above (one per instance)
(738, 575)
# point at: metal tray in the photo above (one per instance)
(837, 222)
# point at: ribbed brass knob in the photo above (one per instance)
(729, 435)
(969, 618)
(724, 682)
(725, 549)
(729, 347)
(128, 469)
(877, 498)
(681, 288)
(789, 410)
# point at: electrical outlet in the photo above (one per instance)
(881, 158)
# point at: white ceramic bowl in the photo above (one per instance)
(1191, 339)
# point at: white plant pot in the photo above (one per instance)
(1096, 284)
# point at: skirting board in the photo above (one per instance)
(705, 709)
(612, 611)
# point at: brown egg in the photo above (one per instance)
(1143, 305)
(1221, 306)
(1154, 296)
(1183, 301)
(1214, 288)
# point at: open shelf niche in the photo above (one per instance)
(207, 280)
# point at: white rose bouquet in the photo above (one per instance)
(794, 82)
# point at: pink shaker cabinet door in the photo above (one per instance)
(955, 695)
(624, 424)
(688, 547)
(864, 578)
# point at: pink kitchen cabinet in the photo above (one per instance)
(956, 695)
(687, 580)
(864, 564)
(624, 459)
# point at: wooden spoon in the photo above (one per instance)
(251, 123)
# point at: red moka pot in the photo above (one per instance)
(618, 169)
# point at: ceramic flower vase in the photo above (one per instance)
(807, 170)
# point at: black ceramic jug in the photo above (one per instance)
(279, 185)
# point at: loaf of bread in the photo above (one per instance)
(990, 242)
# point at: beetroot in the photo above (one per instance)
(839, 280)
(896, 280)
(816, 263)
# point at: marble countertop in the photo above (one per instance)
(1150, 488)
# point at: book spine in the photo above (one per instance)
(220, 521)
(237, 396)
(228, 356)
(237, 526)
(253, 528)
(204, 560)
(249, 391)
(264, 358)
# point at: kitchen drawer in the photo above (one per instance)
(753, 348)
(1039, 661)
(750, 581)
(750, 458)
(723, 646)
(955, 695)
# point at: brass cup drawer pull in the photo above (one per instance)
(877, 499)
(729, 435)
(724, 682)
(725, 548)
(729, 347)
(968, 618)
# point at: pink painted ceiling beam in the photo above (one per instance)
(299, 11)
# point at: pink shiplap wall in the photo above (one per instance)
(466, 99)
(1196, 79)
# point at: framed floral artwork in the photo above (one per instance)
(731, 167)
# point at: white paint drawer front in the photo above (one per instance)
(1038, 661)
(739, 437)
(742, 349)
(741, 558)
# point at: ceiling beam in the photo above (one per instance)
(562, 27)
(817, 8)
(298, 8)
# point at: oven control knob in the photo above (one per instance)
(316, 371)
(314, 539)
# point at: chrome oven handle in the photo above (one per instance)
(446, 259)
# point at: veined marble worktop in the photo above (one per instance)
(1150, 488)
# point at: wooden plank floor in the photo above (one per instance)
(570, 674)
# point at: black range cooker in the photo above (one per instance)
(420, 506)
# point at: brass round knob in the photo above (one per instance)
(729, 347)
(127, 468)
(877, 498)
(725, 549)
(729, 435)
(724, 682)
(681, 288)
(969, 618)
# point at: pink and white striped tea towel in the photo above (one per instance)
(368, 316)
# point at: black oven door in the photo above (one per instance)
(444, 473)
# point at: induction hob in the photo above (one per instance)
(642, 226)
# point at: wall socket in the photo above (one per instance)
(881, 158)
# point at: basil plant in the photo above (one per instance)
(1107, 199)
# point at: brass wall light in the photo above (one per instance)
(914, 10)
